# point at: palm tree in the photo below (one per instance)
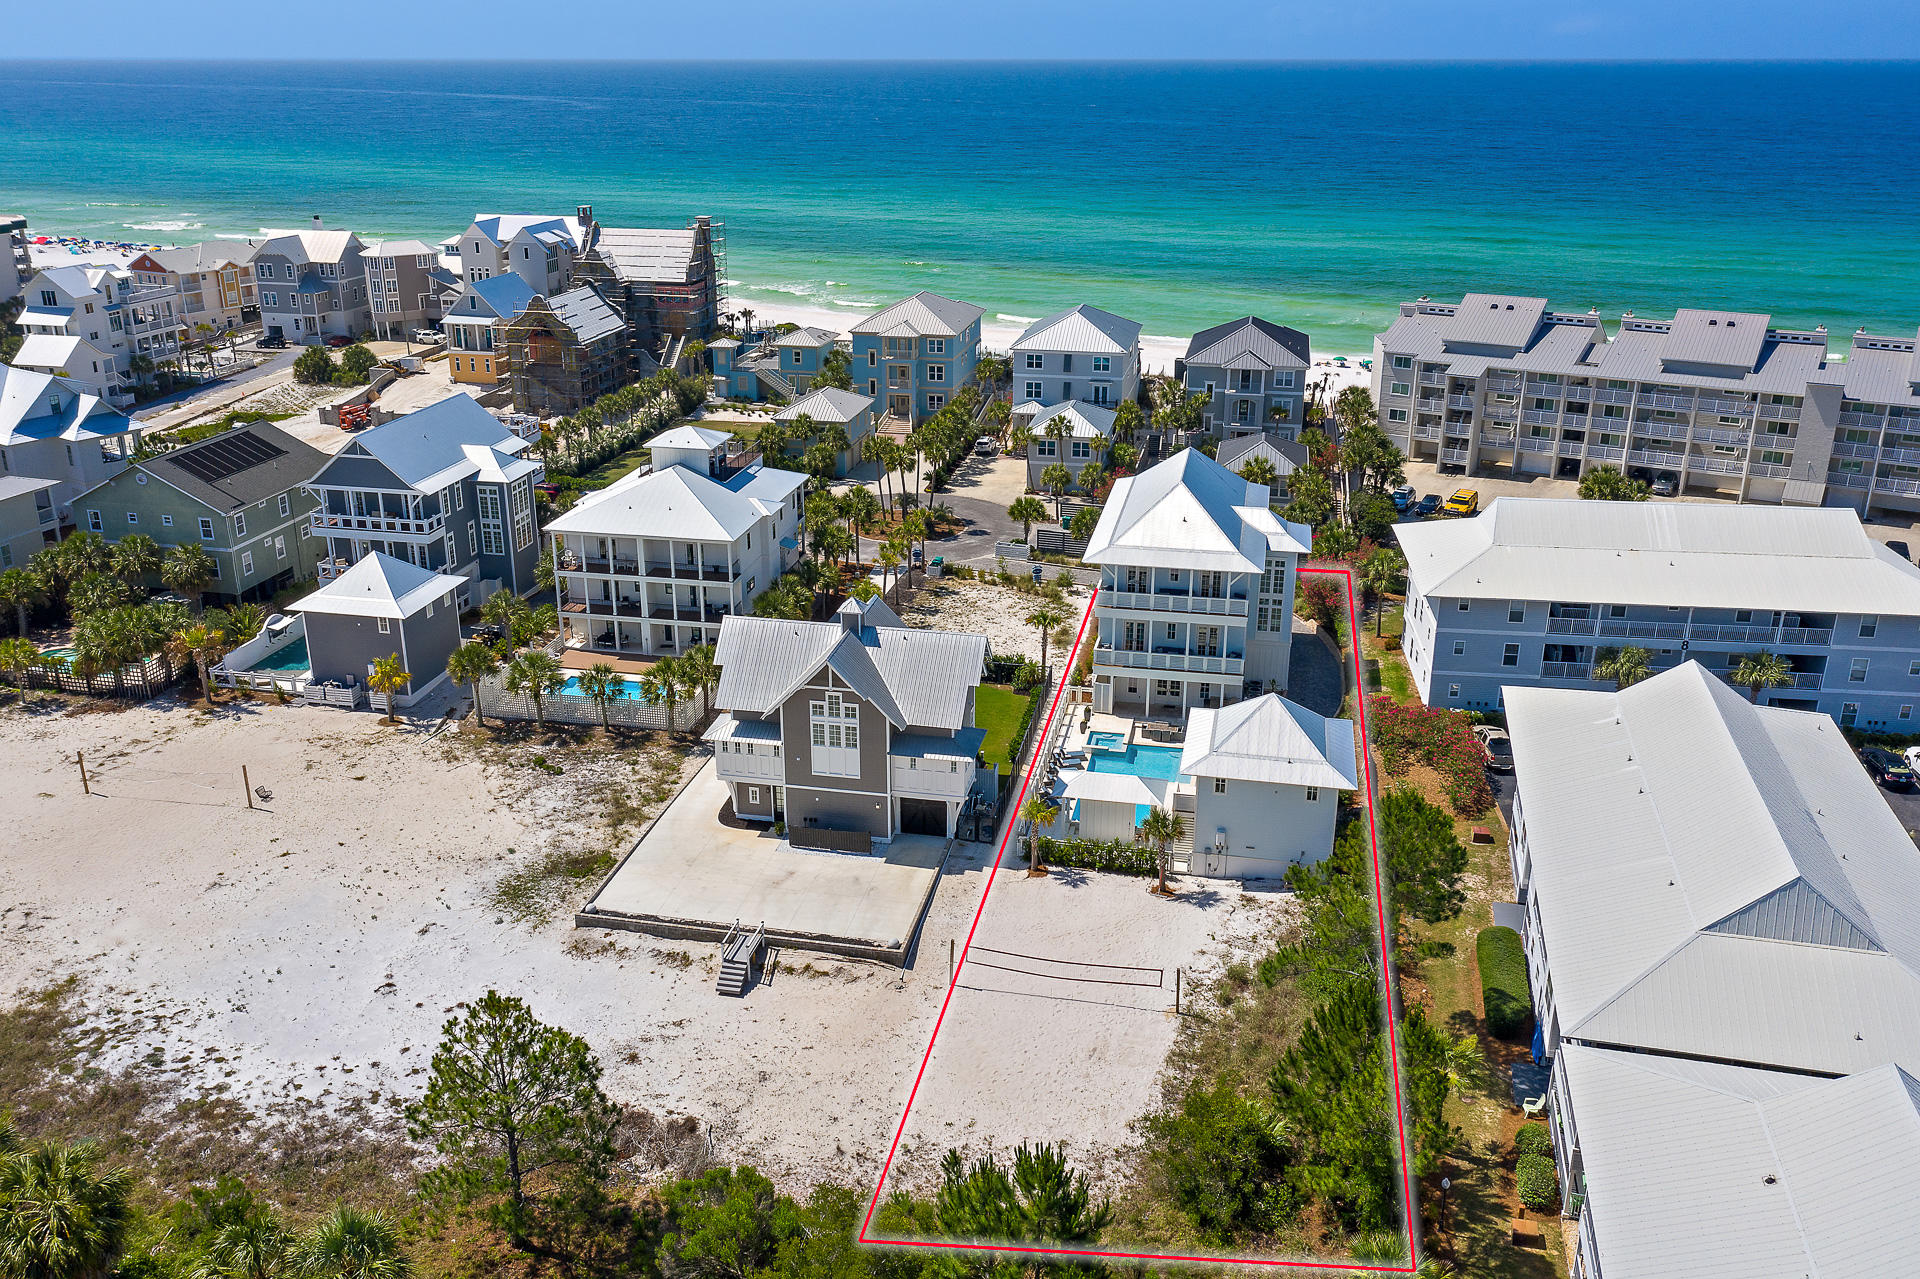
(537, 674)
(256, 1247)
(698, 671)
(889, 558)
(1046, 618)
(61, 1215)
(1040, 813)
(18, 654)
(1028, 510)
(1258, 470)
(1624, 666)
(200, 644)
(669, 682)
(469, 664)
(241, 622)
(136, 557)
(96, 593)
(20, 590)
(1056, 479)
(603, 683)
(389, 677)
(1762, 670)
(347, 1244)
(187, 569)
(1163, 830)
(513, 615)
(1382, 573)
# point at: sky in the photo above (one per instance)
(1257, 30)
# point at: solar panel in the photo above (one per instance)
(225, 456)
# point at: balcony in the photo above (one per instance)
(1427, 431)
(1500, 434)
(1844, 448)
(1192, 663)
(1536, 444)
(1503, 385)
(1540, 417)
(332, 567)
(1889, 484)
(1724, 404)
(1566, 670)
(1847, 479)
(1781, 412)
(1461, 456)
(1430, 378)
(1617, 629)
(1654, 457)
(1433, 404)
(1716, 465)
(1574, 421)
(1721, 435)
(325, 523)
(1665, 400)
(1570, 626)
(1606, 452)
(692, 573)
(1175, 602)
(1910, 456)
(1770, 471)
(1608, 395)
(1498, 412)
(1460, 402)
(1572, 448)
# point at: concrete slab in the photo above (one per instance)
(690, 876)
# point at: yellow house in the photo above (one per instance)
(476, 353)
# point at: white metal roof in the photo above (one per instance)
(676, 502)
(501, 227)
(827, 404)
(311, 246)
(921, 315)
(917, 678)
(1110, 788)
(428, 448)
(1270, 739)
(1191, 512)
(1083, 421)
(47, 351)
(1080, 328)
(1684, 554)
(380, 586)
(1719, 1172)
(26, 413)
(1676, 811)
(805, 337)
(689, 436)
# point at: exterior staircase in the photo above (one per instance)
(1180, 852)
(741, 954)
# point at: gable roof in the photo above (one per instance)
(1493, 319)
(398, 249)
(1273, 346)
(922, 315)
(428, 448)
(1286, 456)
(827, 404)
(1080, 328)
(1730, 338)
(689, 436)
(680, 503)
(1685, 554)
(310, 246)
(1191, 512)
(24, 415)
(587, 314)
(1722, 1172)
(380, 586)
(250, 463)
(916, 678)
(806, 337)
(1082, 420)
(643, 255)
(500, 296)
(502, 227)
(1270, 739)
(208, 255)
(1715, 877)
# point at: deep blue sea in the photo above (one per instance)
(1178, 194)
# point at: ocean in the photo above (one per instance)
(1318, 195)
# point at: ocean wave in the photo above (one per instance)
(163, 226)
(1015, 319)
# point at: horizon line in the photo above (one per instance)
(928, 60)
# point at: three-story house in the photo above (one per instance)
(1081, 353)
(1253, 373)
(912, 356)
(313, 285)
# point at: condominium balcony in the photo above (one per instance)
(1498, 412)
(1460, 456)
(1433, 379)
(1460, 402)
(1540, 417)
(1716, 465)
(1720, 435)
(1612, 395)
(1170, 660)
(1169, 601)
(325, 523)
(1572, 448)
(1665, 430)
(1781, 412)
(1606, 452)
(1662, 400)
(693, 572)
(1871, 420)
(1724, 404)
(1503, 384)
(1536, 444)
(1693, 632)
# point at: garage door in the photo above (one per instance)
(923, 817)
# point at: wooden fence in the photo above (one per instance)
(136, 681)
(624, 712)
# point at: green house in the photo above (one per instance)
(238, 495)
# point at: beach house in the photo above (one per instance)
(214, 280)
(93, 325)
(858, 726)
(16, 259)
(382, 607)
(313, 285)
(52, 430)
(1537, 590)
(1072, 434)
(240, 496)
(1196, 590)
(910, 357)
(28, 521)
(539, 248)
(1284, 455)
(663, 282)
(474, 325)
(1253, 374)
(1081, 353)
(405, 285)
(1723, 948)
(657, 561)
(447, 488)
(829, 406)
(565, 352)
(779, 364)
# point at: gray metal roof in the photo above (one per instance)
(806, 338)
(1493, 319)
(427, 448)
(924, 314)
(1274, 345)
(827, 404)
(679, 503)
(1881, 370)
(1286, 456)
(647, 254)
(587, 314)
(500, 296)
(378, 585)
(916, 678)
(1730, 338)
(1080, 328)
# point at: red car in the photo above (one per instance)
(339, 340)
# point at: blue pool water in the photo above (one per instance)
(1106, 741)
(291, 658)
(629, 692)
(1141, 761)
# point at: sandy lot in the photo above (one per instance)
(998, 612)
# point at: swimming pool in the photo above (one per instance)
(62, 651)
(630, 691)
(1139, 761)
(291, 658)
(1106, 741)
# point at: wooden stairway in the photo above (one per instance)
(741, 954)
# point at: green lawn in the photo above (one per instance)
(615, 467)
(998, 709)
(202, 430)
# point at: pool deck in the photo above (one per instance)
(579, 659)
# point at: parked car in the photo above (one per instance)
(548, 491)
(1912, 755)
(339, 340)
(1496, 746)
(426, 335)
(1403, 497)
(1887, 768)
(1451, 468)
(1900, 549)
(1427, 505)
(1463, 502)
(1665, 484)
(271, 342)
(986, 446)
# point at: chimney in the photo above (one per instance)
(585, 213)
(318, 225)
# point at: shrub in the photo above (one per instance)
(314, 365)
(1443, 740)
(1537, 1181)
(1222, 1162)
(1027, 677)
(1532, 1139)
(1503, 982)
(1122, 857)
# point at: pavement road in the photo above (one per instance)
(176, 410)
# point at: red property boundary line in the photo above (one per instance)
(1408, 1199)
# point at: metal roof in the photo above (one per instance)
(1191, 512)
(311, 246)
(1493, 319)
(380, 586)
(1111, 788)
(1080, 328)
(1287, 456)
(963, 745)
(688, 436)
(827, 404)
(1718, 1172)
(917, 678)
(397, 249)
(237, 468)
(208, 255)
(1730, 338)
(426, 448)
(21, 485)
(805, 337)
(1683, 554)
(924, 314)
(500, 296)
(1275, 346)
(26, 415)
(1083, 420)
(587, 314)
(1658, 818)
(725, 728)
(502, 227)
(1878, 370)
(1270, 739)
(674, 502)
(647, 254)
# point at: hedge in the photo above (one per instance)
(1532, 1139)
(1503, 982)
(1537, 1181)
(1117, 855)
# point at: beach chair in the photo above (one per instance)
(1531, 1107)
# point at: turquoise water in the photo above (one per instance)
(291, 658)
(1321, 195)
(59, 650)
(1106, 741)
(1138, 761)
(630, 691)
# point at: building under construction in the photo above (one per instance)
(565, 352)
(664, 283)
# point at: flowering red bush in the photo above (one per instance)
(1442, 740)
(1323, 600)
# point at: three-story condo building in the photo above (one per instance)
(1196, 590)
(1534, 590)
(657, 561)
(537, 247)
(912, 356)
(858, 724)
(1716, 402)
(405, 286)
(1081, 353)
(1254, 375)
(313, 285)
(447, 488)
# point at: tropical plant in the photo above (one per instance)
(1040, 813)
(890, 559)
(1045, 619)
(136, 557)
(698, 673)
(1029, 510)
(389, 677)
(349, 1244)
(1605, 483)
(257, 1246)
(1084, 521)
(1056, 479)
(537, 674)
(241, 622)
(603, 684)
(21, 590)
(188, 569)
(18, 655)
(314, 366)
(98, 592)
(1756, 671)
(200, 644)
(62, 1215)
(356, 362)
(1162, 829)
(513, 615)
(1259, 470)
(1381, 574)
(469, 664)
(1365, 448)
(1625, 666)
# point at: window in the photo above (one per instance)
(1868, 625)
(1082, 449)
(492, 533)
(1464, 605)
(1396, 415)
(1034, 360)
(1616, 610)
(1459, 648)
(1906, 712)
(264, 270)
(936, 372)
(240, 524)
(206, 529)
(1510, 656)
(936, 346)
(246, 563)
(286, 505)
(835, 731)
(1036, 389)
(1517, 611)
(280, 548)
(1403, 361)
(94, 522)
(473, 540)
(1103, 364)
(166, 521)
(216, 570)
(385, 626)
(1453, 692)
(1400, 388)
(873, 356)
(936, 402)
(1858, 673)
(1219, 785)
(753, 794)
(133, 517)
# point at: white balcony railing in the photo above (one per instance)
(1169, 602)
(1189, 662)
(326, 523)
